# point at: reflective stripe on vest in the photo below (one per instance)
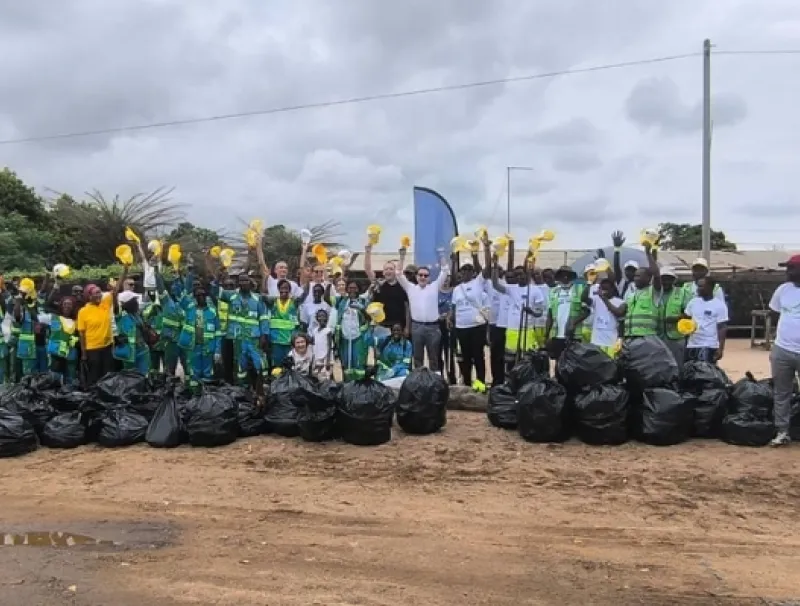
(282, 324)
(641, 318)
(671, 307)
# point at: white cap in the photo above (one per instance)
(588, 268)
(633, 264)
(700, 261)
(668, 271)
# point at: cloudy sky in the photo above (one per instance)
(609, 149)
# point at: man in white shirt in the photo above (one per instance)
(498, 323)
(700, 270)
(423, 303)
(785, 354)
(710, 315)
(471, 315)
(281, 273)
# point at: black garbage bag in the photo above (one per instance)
(44, 381)
(68, 400)
(366, 410)
(502, 407)
(65, 430)
(646, 362)
(794, 430)
(698, 376)
(35, 407)
(17, 436)
(166, 426)
(158, 388)
(119, 427)
(422, 402)
(211, 419)
(664, 417)
(749, 395)
(121, 387)
(747, 429)
(285, 400)
(542, 408)
(584, 365)
(601, 415)
(532, 365)
(708, 409)
(317, 417)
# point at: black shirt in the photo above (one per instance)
(394, 300)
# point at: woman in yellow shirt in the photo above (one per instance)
(96, 334)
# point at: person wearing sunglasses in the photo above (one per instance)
(423, 303)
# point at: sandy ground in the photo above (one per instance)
(471, 516)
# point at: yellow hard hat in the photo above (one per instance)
(405, 242)
(376, 312)
(26, 286)
(687, 326)
(156, 247)
(131, 236)
(124, 253)
(174, 254)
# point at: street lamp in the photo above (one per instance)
(508, 191)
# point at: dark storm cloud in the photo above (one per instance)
(656, 103)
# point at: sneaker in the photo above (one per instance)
(782, 439)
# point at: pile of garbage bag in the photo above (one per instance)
(422, 402)
(749, 420)
(706, 390)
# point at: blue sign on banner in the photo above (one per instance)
(435, 226)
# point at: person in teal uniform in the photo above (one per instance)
(200, 337)
(132, 342)
(248, 328)
(353, 333)
(394, 355)
(283, 322)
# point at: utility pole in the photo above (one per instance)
(706, 228)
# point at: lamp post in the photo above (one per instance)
(508, 192)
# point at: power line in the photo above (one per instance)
(350, 101)
(756, 52)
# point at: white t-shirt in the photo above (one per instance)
(308, 313)
(302, 363)
(631, 288)
(272, 288)
(593, 290)
(692, 288)
(499, 304)
(519, 296)
(707, 315)
(563, 296)
(469, 299)
(605, 325)
(786, 301)
(544, 290)
(423, 303)
(320, 346)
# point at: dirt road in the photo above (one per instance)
(472, 516)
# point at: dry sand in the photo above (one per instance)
(471, 516)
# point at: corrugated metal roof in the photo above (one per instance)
(681, 260)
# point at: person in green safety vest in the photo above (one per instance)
(248, 328)
(166, 318)
(62, 344)
(222, 282)
(673, 303)
(26, 318)
(700, 270)
(284, 311)
(353, 333)
(200, 336)
(641, 306)
(563, 311)
(134, 336)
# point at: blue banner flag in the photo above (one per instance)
(435, 226)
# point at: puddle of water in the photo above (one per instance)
(50, 539)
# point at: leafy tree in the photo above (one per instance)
(100, 222)
(194, 240)
(16, 197)
(684, 236)
(23, 245)
(66, 243)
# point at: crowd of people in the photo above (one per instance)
(241, 329)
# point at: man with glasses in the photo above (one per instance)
(423, 302)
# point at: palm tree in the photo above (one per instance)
(101, 221)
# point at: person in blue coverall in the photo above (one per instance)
(248, 328)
